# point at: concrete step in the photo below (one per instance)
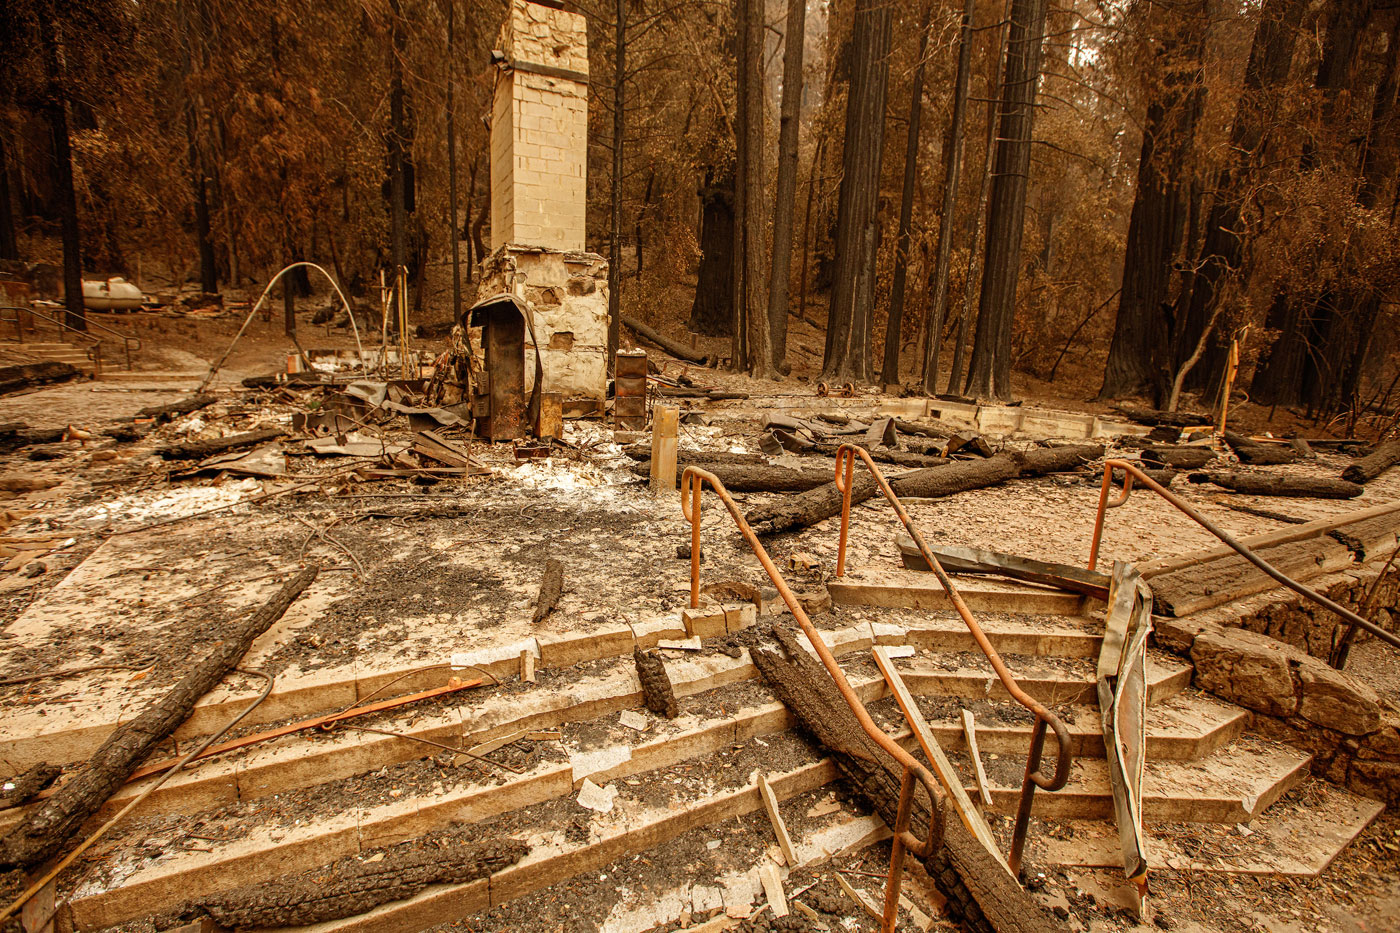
(1234, 785)
(1297, 837)
(1053, 681)
(907, 589)
(240, 845)
(1185, 727)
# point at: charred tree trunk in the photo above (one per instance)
(1223, 248)
(979, 208)
(1369, 467)
(894, 322)
(794, 39)
(752, 349)
(952, 178)
(712, 312)
(55, 110)
(9, 245)
(847, 350)
(46, 830)
(398, 192)
(1137, 363)
(619, 104)
(990, 368)
(454, 231)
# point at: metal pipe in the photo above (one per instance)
(845, 456)
(896, 875)
(1268, 569)
(691, 483)
(1023, 811)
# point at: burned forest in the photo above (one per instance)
(587, 466)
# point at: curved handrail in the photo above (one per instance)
(845, 455)
(692, 483)
(1034, 777)
(1132, 472)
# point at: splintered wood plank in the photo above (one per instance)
(970, 732)
(770, 803)
(942, 767)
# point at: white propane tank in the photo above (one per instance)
(114, 294)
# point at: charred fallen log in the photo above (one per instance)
(679, 350)
(198, 450)
(824, 501)
(1369, 467)
(1153, 417)
(1181, 458)
(185, 406)
(980, 893)
(46, 830)
(657, 692)
(355, 884)
(642, 452)
(1256, 454)
(1269, 484)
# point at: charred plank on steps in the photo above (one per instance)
(656, 685)
(551, 588)
(355, 884)
(47, 829)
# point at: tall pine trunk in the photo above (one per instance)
(894, 322)
(990, 367)
(794, 38)
(454, 231)
(1222, 251)
(752, 349)
(9, 247)
(619, 90)
(952, 176)
(847, 347)
(55, 110)
(1137, 357)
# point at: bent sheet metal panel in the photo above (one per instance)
(1122, 691)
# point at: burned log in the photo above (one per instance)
(355, 884)
(1155, 418)
(187, 405)
(1039, 461)
(27, 375)
(1369, 467)
(657, 692)
(824, 501)
(679, 350)
(932, 429)
(551, 588)
(1269, 484)
(713, 395)
(1256, 454)
(743, 477)
(1181, 458)
(198, 450)
(46, 830)
(28, 784)
(980, 893)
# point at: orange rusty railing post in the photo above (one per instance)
(845, 455)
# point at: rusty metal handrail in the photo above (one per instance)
(845, 457)
(692, 484)
(1131, 472)
(127, 341)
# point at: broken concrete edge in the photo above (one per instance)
(305, 694)
(1298, 699)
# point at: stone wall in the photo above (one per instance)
(568, 294)
(539, 130)
(1296, 698)
(1300, 622)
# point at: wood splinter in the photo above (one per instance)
(551, 588)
